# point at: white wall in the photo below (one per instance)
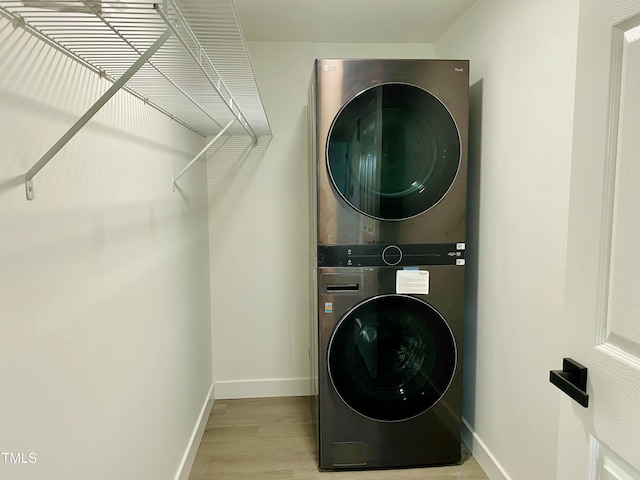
(523, 61)
(105, 355)
(258, 222)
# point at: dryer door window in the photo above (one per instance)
(392, 357)
(393, 151)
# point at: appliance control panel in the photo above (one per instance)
(391, 255)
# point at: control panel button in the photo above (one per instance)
(392, 255)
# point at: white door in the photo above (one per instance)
(602, 325)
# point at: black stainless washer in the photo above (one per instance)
(392, 357)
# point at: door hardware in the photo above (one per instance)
(572, 380)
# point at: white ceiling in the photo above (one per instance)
(348, 21)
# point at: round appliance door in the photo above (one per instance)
(391, 357)
(393, 151)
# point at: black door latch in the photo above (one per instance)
(572, 380)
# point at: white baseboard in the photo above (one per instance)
(272, 387)
(196, 437)
(482, 454)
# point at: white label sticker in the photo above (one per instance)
(412, 281)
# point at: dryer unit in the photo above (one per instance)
(390, 143)
(389, 380)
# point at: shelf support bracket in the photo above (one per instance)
(202, 152)
(82, 121)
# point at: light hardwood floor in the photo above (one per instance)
(271, 438)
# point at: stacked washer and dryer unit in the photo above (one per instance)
(388, 208)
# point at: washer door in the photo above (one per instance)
(392, 357)
(393, 151)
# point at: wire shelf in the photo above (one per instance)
(192, 75)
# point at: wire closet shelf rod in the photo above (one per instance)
(148, 49)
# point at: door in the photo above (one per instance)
(391, 357)
(393, 151)
(602, 324)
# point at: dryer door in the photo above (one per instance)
(393, 151)
(391, 357)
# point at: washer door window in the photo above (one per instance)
(393, 151)
(392, 357)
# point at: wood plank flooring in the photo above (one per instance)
(271, 438)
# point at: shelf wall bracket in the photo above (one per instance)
(82, 121)
(202, 152)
